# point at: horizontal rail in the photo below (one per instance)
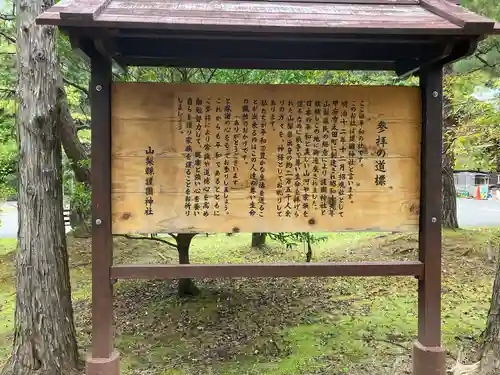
(165, 272)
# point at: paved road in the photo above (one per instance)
(471, 213)
(8, 216)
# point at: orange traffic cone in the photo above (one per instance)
(478, 194)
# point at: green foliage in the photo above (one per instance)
(293, 239)
(475, 105)
(8, 79)
(8, 168)
(81, 197)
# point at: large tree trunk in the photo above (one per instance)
(186, 286)
(44, 339)
(490, 361)
(258, 239)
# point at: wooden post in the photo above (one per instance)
(428, 355)
(103, 359)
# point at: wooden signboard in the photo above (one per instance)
(264, 158)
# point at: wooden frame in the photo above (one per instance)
(102, 241)
(450, 33)
(165, 272)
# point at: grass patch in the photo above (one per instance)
(301, 326)
(7, 296)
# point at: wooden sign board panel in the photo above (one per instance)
(264, 158)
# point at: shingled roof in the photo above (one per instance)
(335, 16)
(430, 25)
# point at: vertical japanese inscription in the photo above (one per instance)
(263, 156)
(306, 175)
(253, 159)
(218, 159)
(316, 153)
(325, 153)
(297, 182)
(280, 159)
(334, 134)
(351, 161)
(149, 172)
(198, 157)
(245, 115)
(343, 156)
(361, 132)
(236, 133)
(227, 152)
(207, 146)
(289, 159)
(381, 142)
(188, 150)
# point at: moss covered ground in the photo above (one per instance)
(301, 326)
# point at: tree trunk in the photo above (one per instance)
(309, 253)
(44, 338)
(258, 239)
(449, 194)
(449, 198)
(74, 149)
(186, 286)
(78, 158)
(490, 359)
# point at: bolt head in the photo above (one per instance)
(434, 220)
(98, 88)
(98, 222)
(435, 94)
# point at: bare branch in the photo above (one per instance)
(7, 17)
(11, 39)
(158, 239)
(82, 127)
(76, 86)
(212, 73)
(7, 90)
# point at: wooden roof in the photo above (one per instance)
(335, 16)
(254, 25)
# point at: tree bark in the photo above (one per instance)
(449, 195)
(78, 158)
(44, 338)
(258, 239)
(74, 149)
(490, 358)
(186, 286)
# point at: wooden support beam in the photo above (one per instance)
(233, 50)
(102, 241)
(429, 286)
(164, 272)
(256, 64)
